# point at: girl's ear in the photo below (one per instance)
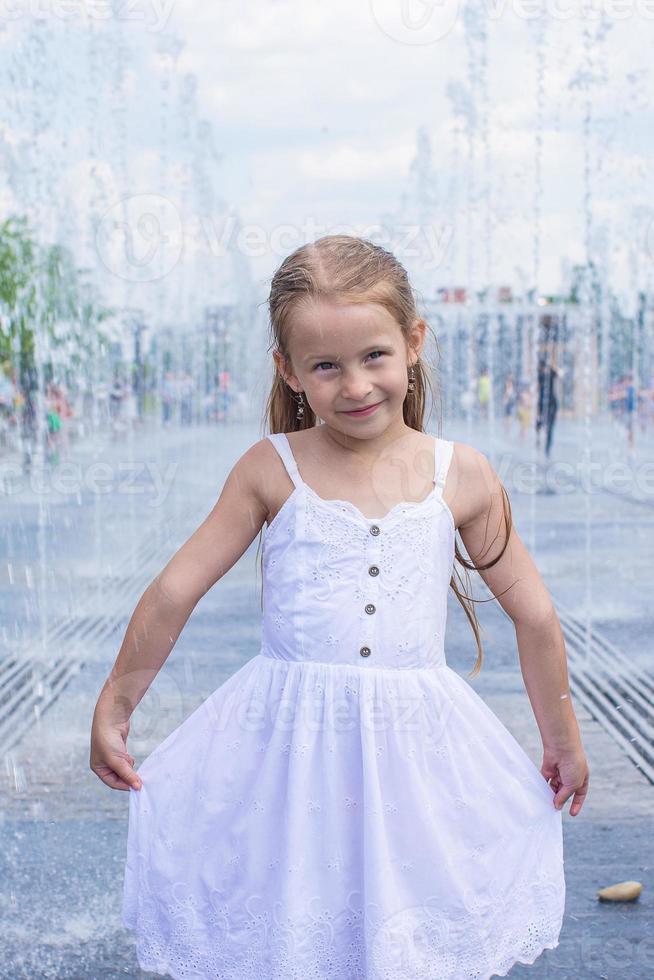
(282, 367)
(417, 337)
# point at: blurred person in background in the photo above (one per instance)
(509, 403)
(484, 393)
(58, 414)
(523, 410)
(548, 403)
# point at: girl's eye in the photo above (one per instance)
(331, 363)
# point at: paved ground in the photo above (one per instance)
(62, 836)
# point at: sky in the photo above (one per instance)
(239, 131)
(318, 108)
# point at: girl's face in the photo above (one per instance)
(347, 357)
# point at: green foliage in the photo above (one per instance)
(41, 286)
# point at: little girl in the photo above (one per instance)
(345, 806)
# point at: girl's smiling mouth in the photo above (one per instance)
(360, 412)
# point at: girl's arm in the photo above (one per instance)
(521, 592)
(166, 605)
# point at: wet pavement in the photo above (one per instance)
(63, 832)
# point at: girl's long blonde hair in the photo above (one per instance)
(343, 268)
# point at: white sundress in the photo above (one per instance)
(345, 806)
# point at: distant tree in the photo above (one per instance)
(40, 285)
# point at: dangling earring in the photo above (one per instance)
(300, 405)
(412, 379)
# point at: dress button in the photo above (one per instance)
(370, 609)
(375, 529)
(365, 651)
(373, 570)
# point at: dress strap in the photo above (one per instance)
(283, 447)
(443, 457)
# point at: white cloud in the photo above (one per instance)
(349, 163)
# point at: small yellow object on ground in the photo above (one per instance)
(624, 891)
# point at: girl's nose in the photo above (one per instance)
(356, 388)
(356, 393)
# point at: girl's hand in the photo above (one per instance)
(110, 760)
(567, 772)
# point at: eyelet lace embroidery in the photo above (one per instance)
(479, 937)
(325, 578)
(323, 574)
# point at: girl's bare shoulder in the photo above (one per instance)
(473, 481)
(466, 457)
(265, 474)
(256, 464)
